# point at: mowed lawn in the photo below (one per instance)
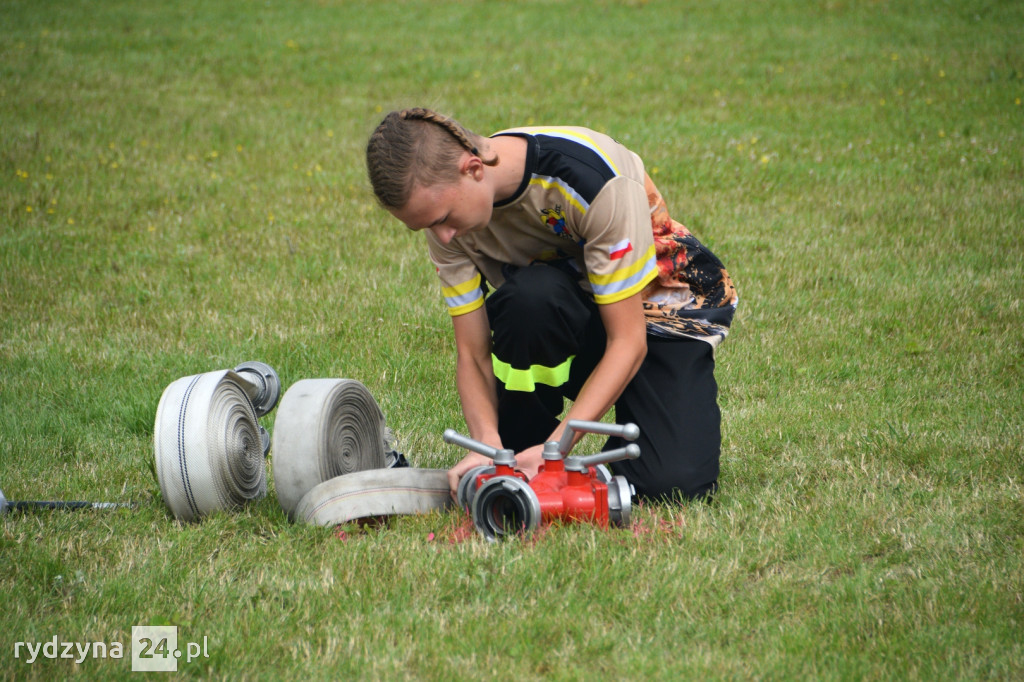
(182, 189)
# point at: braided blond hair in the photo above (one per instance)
(417, 146)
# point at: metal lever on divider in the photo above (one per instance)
(625, 431)
(500, 457)
(581, 463)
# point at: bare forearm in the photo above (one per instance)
(607, 382)
(474, 378)
(478, 394)
(624, 353)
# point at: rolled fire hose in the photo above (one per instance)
(329, 458)
(329, 449)
(209, 448)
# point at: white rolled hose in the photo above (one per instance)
(209, 448)
(329, 458)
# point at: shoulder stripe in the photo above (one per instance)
(571, 195)
(575, 161)
(579, 138)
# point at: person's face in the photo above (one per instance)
(449, 210)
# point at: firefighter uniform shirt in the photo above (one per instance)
(585, 204)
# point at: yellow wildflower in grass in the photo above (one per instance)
(28, 209)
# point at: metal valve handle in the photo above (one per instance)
(500, 457)
(631, 451)
(625, 431)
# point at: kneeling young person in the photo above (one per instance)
(599, 296)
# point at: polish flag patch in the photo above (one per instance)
(619, 249)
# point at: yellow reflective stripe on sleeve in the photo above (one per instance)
(627, 289)
(463, 298)
(468, 308)
(624, 273)
(465, 287)
(526, 380)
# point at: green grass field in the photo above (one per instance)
(182, 189)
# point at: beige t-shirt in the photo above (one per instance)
(586, 201)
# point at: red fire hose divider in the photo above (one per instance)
(570, 488)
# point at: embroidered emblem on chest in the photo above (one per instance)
(554, 218)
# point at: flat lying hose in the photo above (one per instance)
(329, 460)
(209, 452)
(378, 492)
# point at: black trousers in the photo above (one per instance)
(541, 321)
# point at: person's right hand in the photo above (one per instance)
(468, 462)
